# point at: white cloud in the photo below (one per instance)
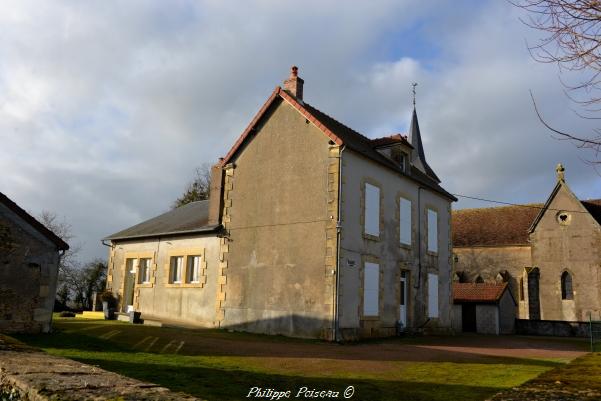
(106, 108)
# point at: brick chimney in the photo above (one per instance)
(294, 84)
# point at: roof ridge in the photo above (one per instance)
(498, 207)
(341, 123)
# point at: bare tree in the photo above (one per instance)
(62, 229)
(572, 40)
(198, 189)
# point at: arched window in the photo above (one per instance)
(566, 286)
(479, 279)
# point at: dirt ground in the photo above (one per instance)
(468, 348)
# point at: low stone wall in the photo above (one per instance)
(552, 328)
(28, 374)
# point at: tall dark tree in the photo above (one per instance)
(198, 189)
(572, 40)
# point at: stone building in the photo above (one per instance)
(547, 253)
(485, 308)
(29, 257)
(311, 230)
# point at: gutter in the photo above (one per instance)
(338, 246)
(163, 234)
(419, 239)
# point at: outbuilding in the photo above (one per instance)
(485, 308)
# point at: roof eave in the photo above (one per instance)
(203, 230)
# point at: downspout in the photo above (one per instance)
(338, 246)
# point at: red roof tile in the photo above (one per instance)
(478, 292)
(389, 140)
(498, 226)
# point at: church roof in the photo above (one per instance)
(187, 219)
(478, 292)
(506, 225)
(503, 226)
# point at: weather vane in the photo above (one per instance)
(414, 85)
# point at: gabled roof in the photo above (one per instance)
(495, 226)
(593, 206)
(187, 219)
(478, 292)
(338, 133)
(42, 229)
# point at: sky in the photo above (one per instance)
(107, 108)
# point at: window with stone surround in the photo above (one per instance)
(144, 270)
(372, 210)
(371, 289)
(405, 221)
(193, 269)
(175, 270)
(432, 231)
(566, 286)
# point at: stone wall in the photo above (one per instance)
(30, 375)
(28, 274)
(488, 261)
(552, 328)
(280, 209)
(188, 303)
(573, 245)
(386, 250)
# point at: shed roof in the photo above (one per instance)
(42, 229)
(478, 292)
(187, 219)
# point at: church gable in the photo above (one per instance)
(564, 209)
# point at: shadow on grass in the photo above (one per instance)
(201, 346)
(225, 385)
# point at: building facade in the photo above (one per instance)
(29, 259)
(311, 230)
(548, 253)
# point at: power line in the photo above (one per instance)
(517, 204)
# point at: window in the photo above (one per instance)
(144, 271)
(432, 231)
(479, 280)
(175, 273)
(566, 286)
(193, 270)
(371, 289)
(432, 295)
(405, 221)
(372, 210)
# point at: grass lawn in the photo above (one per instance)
(218, 365)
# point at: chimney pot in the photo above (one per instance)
(294, 84)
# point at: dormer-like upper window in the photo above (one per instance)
(400, 157)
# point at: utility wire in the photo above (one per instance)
(517, 204)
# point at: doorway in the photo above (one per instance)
(468, 318)
(403, 298)
(128, 287)
(533, 294)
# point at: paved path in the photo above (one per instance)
(29, 374)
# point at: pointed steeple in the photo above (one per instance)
(418, 158)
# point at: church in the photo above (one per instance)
(548, 253)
